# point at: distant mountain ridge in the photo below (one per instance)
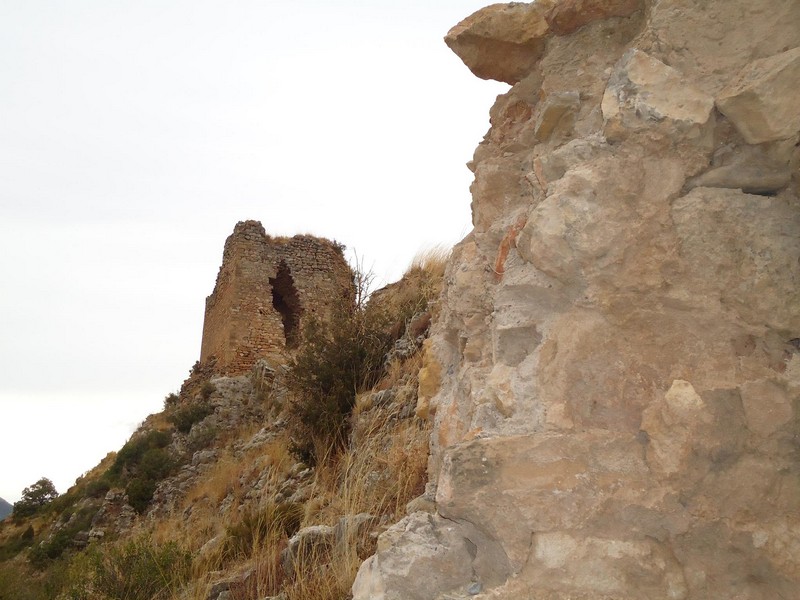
(5, 509)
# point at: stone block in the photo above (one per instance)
(501, 41)
(644, 93)
(762, 101)
(419, 542)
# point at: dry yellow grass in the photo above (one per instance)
(379, 476)
(398, 453)
(431, 260)
(228, 479)
(399, 372)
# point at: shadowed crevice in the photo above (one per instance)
(286, 301)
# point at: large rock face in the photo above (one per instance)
(615, 378)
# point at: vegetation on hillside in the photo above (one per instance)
(34, 498)
(334, 443)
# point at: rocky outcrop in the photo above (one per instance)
(502, 41)
(614, 379)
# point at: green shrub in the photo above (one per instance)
(136, 570)
(185, 417)
(171, 400)
(140, 491)
(34, 498)
(336, 360)
(65, 502)
(155, 464)
(41, 555)
(98, 487)
(131, 453)
(28, 534)
(207, 389)
(141, 463)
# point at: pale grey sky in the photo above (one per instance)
(135, 133)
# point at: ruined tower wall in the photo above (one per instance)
(266, 289)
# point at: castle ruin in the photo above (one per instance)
(266, 289)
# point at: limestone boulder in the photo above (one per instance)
(355, 531)
(501, 41)
(763, 169)
(309, 544)
(447, 552)
(761, 101)
(552, 166)
(644, 95)
(501, 189)
(549, 483)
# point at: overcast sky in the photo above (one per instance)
(134, 135)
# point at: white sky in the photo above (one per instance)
(133, 136)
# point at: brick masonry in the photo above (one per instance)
(266, 289)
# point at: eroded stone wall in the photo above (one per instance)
(266, 288)
(615, 376)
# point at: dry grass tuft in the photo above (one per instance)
(378, 477)
(431, 260)
(400, 372)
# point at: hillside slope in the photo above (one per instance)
(278, 480)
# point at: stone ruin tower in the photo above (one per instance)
(266, 289)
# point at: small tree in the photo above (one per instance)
(340, 356)
(35, 497)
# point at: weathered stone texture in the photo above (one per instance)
(615, 388)
(646, 98)
(762, 101)
(266, 288)
(501, 41)
(568, 16)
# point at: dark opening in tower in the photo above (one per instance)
(287, 303)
